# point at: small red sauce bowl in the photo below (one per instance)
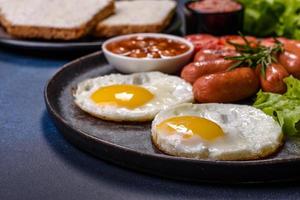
(127, 64)
(218, 23)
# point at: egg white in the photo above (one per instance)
(168, 91)
(248, 133)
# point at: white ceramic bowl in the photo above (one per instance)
(131, 65)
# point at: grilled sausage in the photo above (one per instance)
(273, 79)
(209, 54)
(224, 40)
(194, 70)
(225, 87)
(290, 58)
(203, 41)
(270, 42)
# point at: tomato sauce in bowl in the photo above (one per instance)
(147, 47)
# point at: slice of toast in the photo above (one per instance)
(137, 16)
(53, 19)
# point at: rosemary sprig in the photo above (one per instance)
(254, 54)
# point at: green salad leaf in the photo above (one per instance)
(272, 18)
(283, 108)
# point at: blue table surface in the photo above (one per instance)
(36, 162)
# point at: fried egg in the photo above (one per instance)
(134, 97)
(216, 131)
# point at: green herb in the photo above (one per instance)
(254, 54)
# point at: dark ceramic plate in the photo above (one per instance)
(129, 144)
(87, 44)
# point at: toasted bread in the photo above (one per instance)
(55, 19)
(137, 16)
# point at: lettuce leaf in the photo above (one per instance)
(272, 18)
(283, 108)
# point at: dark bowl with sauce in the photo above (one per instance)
(215, 20)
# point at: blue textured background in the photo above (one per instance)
(36, 162)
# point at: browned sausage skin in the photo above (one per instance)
(193, 71)
(224, 40)
(209, 54)
(225, 87)
(290, 58)
(273, 79)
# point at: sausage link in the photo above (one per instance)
(203, 41)
(193, 71)
(290, 58)
(208, 54)
(225, 87)
(224, 40)
(273, 79)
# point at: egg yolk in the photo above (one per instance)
(128, 96)
(191, 125)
